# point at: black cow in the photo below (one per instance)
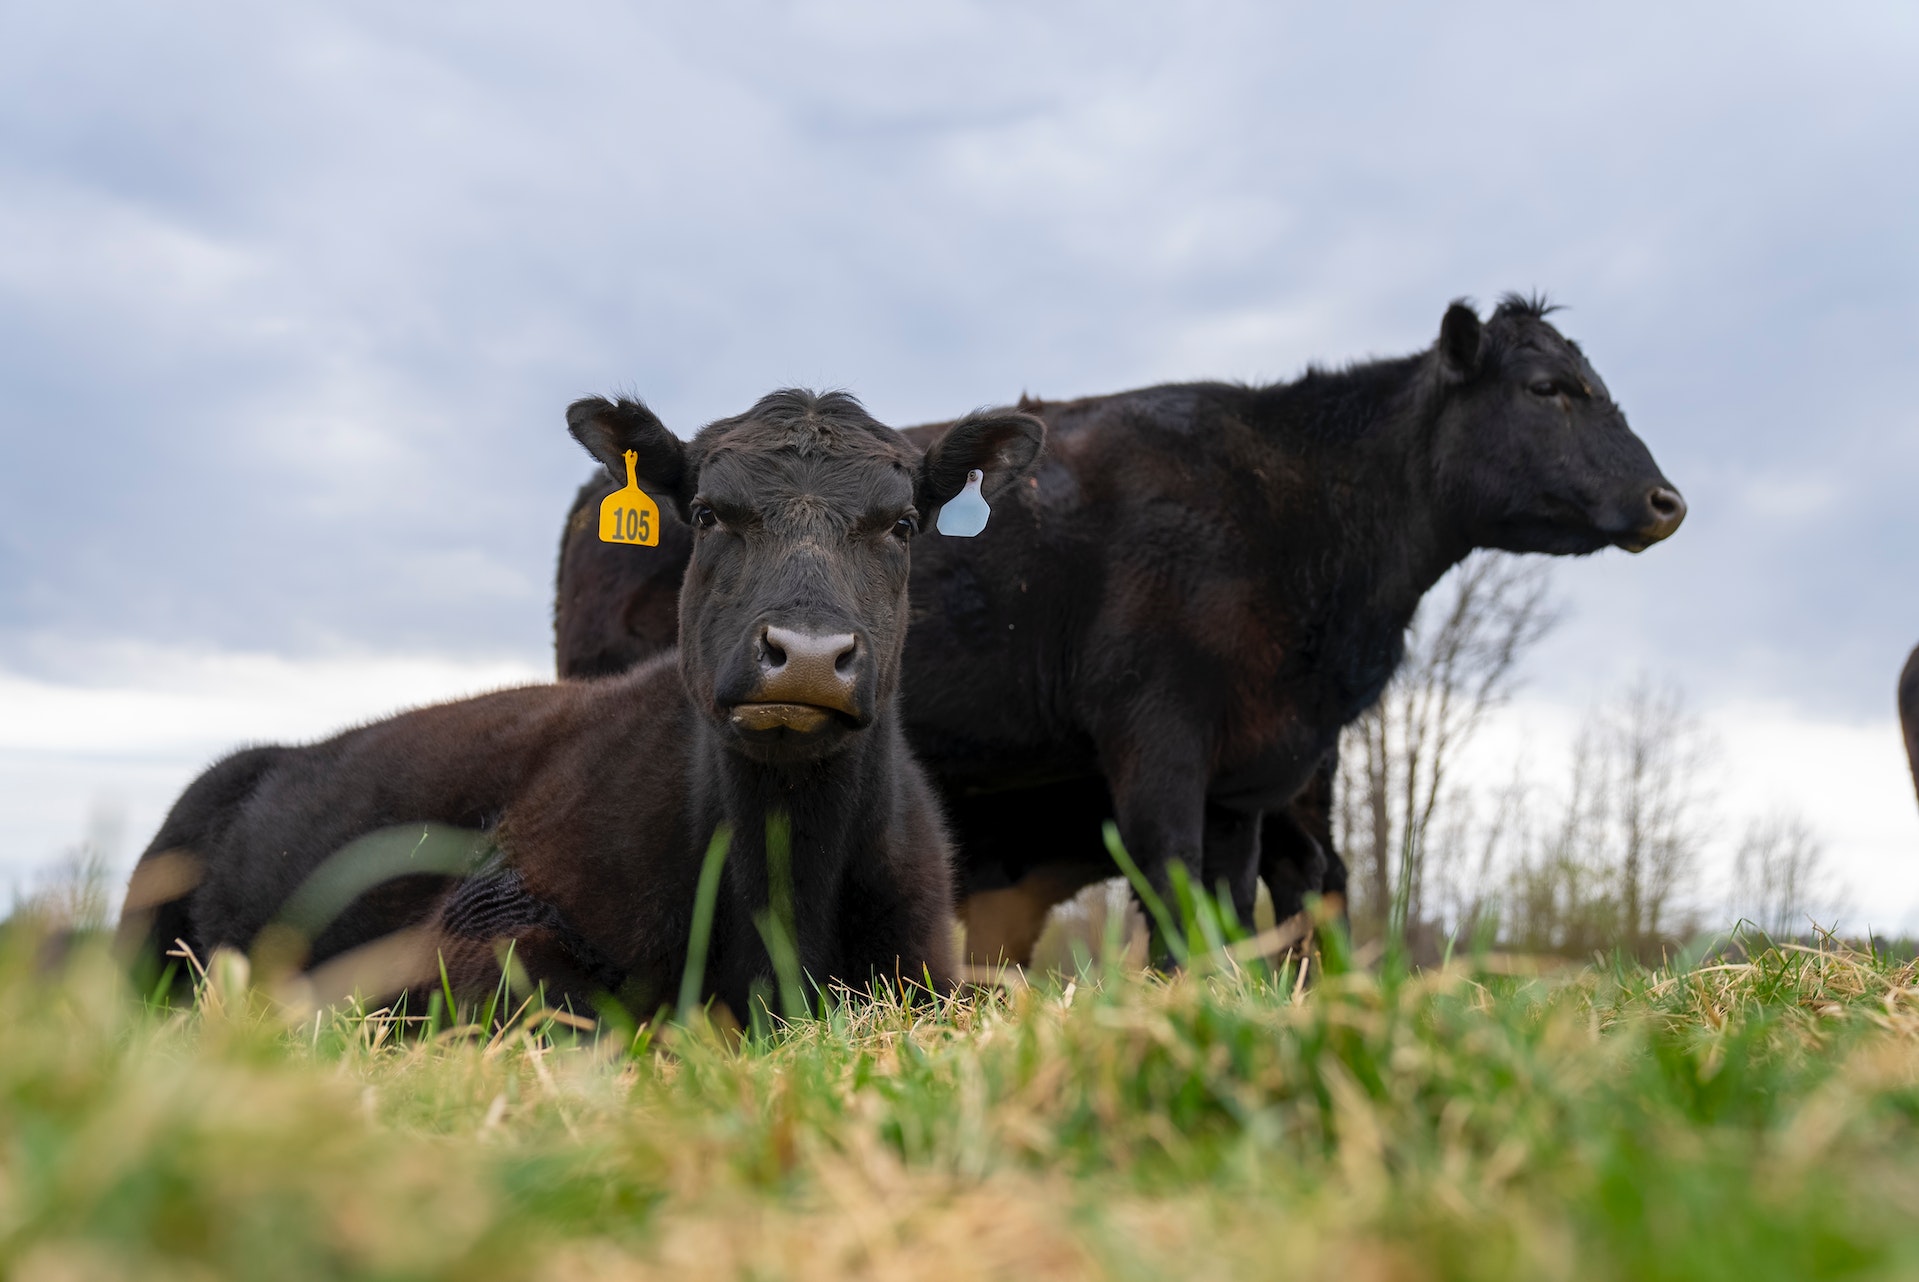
(598, 798)
(1205, 582)
(615, 607)
(1909, 712)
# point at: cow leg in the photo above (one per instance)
(1295, 862)
(1332, 889)
(487, 912)
(1298, 858)
(1232, 858)
(1291, 862)
(474, 968)
(1159, 801)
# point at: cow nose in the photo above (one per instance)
(1667, 510)
(819, 669)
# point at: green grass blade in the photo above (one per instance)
(786, 965)
(705, 897)
(1155, 906)
(779, 929)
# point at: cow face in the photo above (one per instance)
(1532, 452)
(793, 612)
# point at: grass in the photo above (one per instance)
(1751, 1119)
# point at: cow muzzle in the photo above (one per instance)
(1664, 510)
(807, 681)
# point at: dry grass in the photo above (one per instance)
(1753, 1118)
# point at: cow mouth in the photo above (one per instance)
(1641, 539)
(799, 718)
(1667, 510)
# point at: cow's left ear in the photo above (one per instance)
(1460, 341)
(1003, 444)
(609, 429)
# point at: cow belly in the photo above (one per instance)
(989, 739)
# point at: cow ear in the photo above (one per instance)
(1459, 341)
(609, 429)
(1003, 444)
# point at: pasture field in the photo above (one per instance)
(1754, 1118)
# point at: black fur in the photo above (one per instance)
(600, 797)
(1909, 712)
(1203, 584)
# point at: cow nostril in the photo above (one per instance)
(843, 662)
(1666, 504)
(772, 654)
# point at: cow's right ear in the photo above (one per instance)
(609, 429)
(1002, 444)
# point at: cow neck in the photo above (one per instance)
(1373, 512)
(830, 805)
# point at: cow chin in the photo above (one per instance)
(1644, 537)
(1638, 540)
(1549, 537)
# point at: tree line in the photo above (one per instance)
(1607, 851)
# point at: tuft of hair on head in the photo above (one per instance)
(1533, 306)
(810, 418)
(799, 405)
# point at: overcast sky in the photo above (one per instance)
(292, 296)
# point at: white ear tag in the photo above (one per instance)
(965, 513)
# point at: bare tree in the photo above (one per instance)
(1632, 830)
(1779, 877)
(75, 890)
(1397, 760)
(1471, 859)
(1654, 753)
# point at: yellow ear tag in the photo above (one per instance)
(627, 515)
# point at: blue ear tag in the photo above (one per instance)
(965, 513)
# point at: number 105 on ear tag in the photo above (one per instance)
(627, 515)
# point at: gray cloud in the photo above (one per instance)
(290, 299)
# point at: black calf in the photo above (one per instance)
(597, 798)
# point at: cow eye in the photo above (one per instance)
(704, 518)
(906, 527)
(1544, 387)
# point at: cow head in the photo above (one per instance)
(1532, 453)
(793, 612)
